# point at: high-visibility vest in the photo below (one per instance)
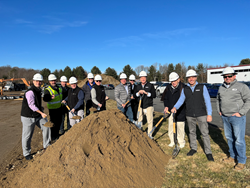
(56, 102)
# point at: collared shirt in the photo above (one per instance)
(31, 100)
(126, 88)
(205, 95)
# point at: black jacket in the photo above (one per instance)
(170, 99)
(100, 97)
(146, 101)
(26, 111)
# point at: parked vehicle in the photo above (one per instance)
(213, 90)
(109, 86)
(160, 89)
(156, 84)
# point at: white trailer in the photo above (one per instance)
(214, 74)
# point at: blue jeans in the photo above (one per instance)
(127, 111)
(62, 124)
(234, 129)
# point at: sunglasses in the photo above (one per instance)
(98, 81)
(230, 76)
(132, 80)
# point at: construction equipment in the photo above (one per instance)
(74, 116)
(176, 149)
(10, 86)
(166, 115)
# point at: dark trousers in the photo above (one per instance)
(134, 106)
(88, 106)
(56, 119)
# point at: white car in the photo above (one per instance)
(160, 89)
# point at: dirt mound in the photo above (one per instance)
(105, 80)
(103, 150)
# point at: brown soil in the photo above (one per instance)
(103, 150)
(105, 80)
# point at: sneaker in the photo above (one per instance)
(191, 152)
(182, 145)
(171, 145)
(228, 160)
(28, 157)
(239, 166)
(210, 157)
(152, 138)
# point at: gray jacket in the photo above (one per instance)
(121, 95)
(234, 99)
(87, 91)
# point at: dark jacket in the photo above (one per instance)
(100, 96)
(26, 111)
(146, 101)
(65, 91)
(170, 99)
(195, 103)
(87, 90)
(73, 98)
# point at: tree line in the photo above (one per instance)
(156, 72)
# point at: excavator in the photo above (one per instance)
(7, 84)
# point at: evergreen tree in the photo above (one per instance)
(111, 72)
(96, 70)
(245, 61)
(56, 73)
(67, 72)
(151, 73)
(80, 73)
(128, 70)
(45, 73)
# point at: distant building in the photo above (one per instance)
(214, 74)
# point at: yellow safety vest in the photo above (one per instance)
(56, 102)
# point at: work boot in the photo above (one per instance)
(229, 160)
(239, 166)
(191, 152)
(28, 157)
(210, 157)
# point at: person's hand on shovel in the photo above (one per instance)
(106, 98)
(72, 110)
(43, 115)
(123, 105)
(63, 101)
(100, 105)
(166, 110)
(174, 110)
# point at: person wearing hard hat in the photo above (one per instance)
(198, 110)
(53, 97)
(147, 91)
(65, 89)
(123, 97)
(75, 101)
(32, 114)
(172, 94)
(233, 103)
(134, 102)
(98, 95)
(87, 91)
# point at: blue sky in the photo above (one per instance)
(113, 33)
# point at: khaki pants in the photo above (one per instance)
(180, 131)
(149, 111)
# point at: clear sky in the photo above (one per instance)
(113, 33)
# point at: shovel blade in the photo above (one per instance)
(49, 124)
(175, 152)
(76, 117)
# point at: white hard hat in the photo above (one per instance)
(123, 76)
(142, 73)
(90, 75)
(132, 77)
(98, 77)
(51, 77)
(63, 79)
(190, 73)
(173, 76)
(38, 77)
(72, 80)
(228, 70)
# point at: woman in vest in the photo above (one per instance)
(75, 101)
(53, 97)
(31, 115)
(98, 94)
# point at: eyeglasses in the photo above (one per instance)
(98, 81)
(230, 76)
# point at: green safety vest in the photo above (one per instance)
(56, 102)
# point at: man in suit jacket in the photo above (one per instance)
(122, 95)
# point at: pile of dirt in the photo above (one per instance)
(104, 150)
(105, 80)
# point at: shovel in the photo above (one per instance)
(49, 124)
(166, 115)
(74, 116)
(176, 149)
(139, 108)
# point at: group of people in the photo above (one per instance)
(187, 102)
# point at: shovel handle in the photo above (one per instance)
(126, 102)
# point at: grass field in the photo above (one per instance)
(197, 171)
